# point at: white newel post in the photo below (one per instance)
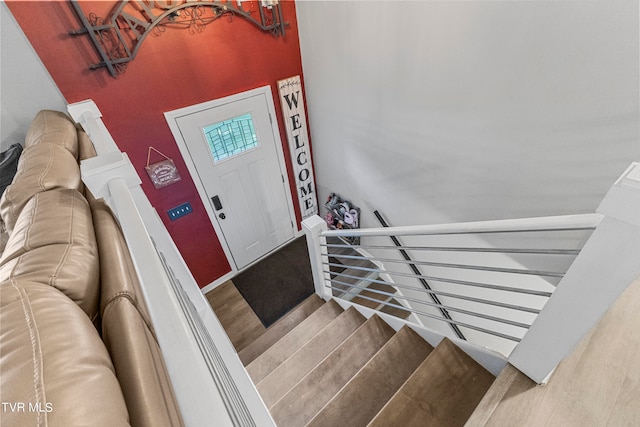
(607, 264)
(87, 114)
(313, 226)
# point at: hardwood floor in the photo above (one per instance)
(237, 318)
(597, 385)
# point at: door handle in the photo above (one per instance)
(216, 203)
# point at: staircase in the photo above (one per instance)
(321, 365)
(355, 282)
(596, 385)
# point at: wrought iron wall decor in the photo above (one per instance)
(118, 37)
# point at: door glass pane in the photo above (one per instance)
(231, 137)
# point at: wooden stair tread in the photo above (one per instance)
(318, 387)
(237, 318)
(337, 254)
(333, 240)
(339, 289)
(345, 249)
(285, 376)
(336, 268)
(373, 299)
(357, 262)
(360, 274)
(509, 381)
(296, 338)
(395, 311)
(374, 295)
(443, 391)
(366, 302)
(370, 389)
(280, 329)
(358, 283)
(382, 287)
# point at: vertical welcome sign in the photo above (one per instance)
(295, 121)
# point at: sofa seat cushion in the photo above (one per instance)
(54, 369)
(53, 127)
(54, 244)
(41, 167)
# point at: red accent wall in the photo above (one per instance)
(172, 70)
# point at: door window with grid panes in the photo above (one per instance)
(231, 137)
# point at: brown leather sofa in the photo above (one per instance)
(76, 344)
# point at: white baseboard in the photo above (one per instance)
(211, 286)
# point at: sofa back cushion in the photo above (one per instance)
(53, 362)
(54, 244)
(53, 127)
(41, 168)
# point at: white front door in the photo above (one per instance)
(238, 161)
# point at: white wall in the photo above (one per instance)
(459, 111)
(25, 85)
(452, 111)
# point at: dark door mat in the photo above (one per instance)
(278, 283)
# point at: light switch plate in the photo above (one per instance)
(179, 211)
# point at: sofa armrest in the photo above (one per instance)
(127, 331)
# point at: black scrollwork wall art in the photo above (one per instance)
(118, 37)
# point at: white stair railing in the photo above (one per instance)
(211, 385)
(527, 288)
